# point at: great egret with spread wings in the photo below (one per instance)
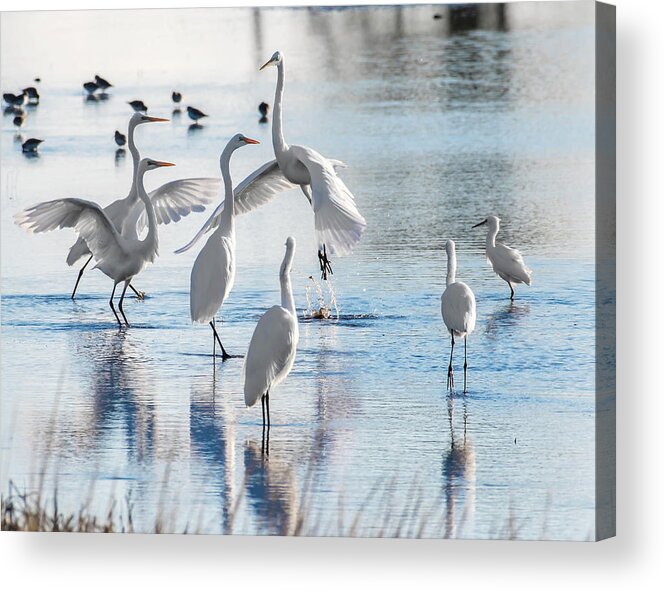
(121, 256)
(506, 262)
(172, 201)
(214, 270)
(272, 349)
(338, 223)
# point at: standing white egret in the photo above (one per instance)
(119, 256)
(272, 349)
(506, 262)
(338, 223)
(458, 309)
(214, 269)
(171, 201)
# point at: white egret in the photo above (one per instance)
(506, 262)
(214, 269)
(171, 201)
(272, 349)
(458, 309)
(120, 256)
(338, 223)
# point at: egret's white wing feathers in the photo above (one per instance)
(256, 190)
(212, 278)
(458, 308)
(337, 221)
(86, 217)
(509, 261)
(175, 200)
(271, 352)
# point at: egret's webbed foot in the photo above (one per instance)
(324, 263)
(140, 295)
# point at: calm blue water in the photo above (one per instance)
(439, 128)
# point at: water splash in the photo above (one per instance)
(320, 309)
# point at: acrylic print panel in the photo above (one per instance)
(444, 115)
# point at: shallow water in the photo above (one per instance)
(439, 128)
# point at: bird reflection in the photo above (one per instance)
(120, 387)
(270, 490)
(176, 113)
(212, 440)
(506, 316)
(120, 154)
(458, 473)
(194, 128)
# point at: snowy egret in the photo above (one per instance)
(214, 269)
(172, 201)
(506, 262)
(272, 349)
(338, 223)
(458, 309)
(119, 256)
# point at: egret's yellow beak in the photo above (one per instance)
(249, 140)
(159, 163)
(147, 118)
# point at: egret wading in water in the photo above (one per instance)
(506, 262)
(272, 349)
(214, 270)
(458, 309)
(119, 256)
(172, 201)
(337, 221)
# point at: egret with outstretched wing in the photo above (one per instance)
(119, 256)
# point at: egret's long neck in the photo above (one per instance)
(452, 268)
(136, 158)
(227, 226)
(150, 242)
(278, 142)
(285, 283)
(491, 237)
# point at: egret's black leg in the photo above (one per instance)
(122, 297)
(263, 410)
(225, 355)
(324, 263)
(268, 409)
(139, 294)
(112, 307)
(512, 292)
(451, 381)
(80, 275)
(465, 364)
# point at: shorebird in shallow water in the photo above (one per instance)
(90, 87)
(195, 114)
(19, 120)
(30, 145)
(120, 138)
(101, 83)
(138, 106)
(32, 94)
(176, 97)
(263, 109)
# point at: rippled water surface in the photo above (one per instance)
(440, 125)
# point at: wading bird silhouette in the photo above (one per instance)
(214, 269)
(272, 349)
(506, 262)
(120, 257)
(458, 309)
